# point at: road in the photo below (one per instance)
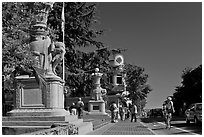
(179, 127)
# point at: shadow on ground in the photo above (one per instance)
(160, 119)
(152, 120)
(192, 127)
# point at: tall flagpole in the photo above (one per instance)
(63, 27)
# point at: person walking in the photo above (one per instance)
(164, 112)
(133, 113)
(122, 112)
(72, 109)
(169, 109)
(80, 105)
(129, 111)
(113, 109)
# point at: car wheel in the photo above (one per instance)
(187, 121)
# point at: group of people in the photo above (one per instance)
(123, 111)
(130, 111)
(77, 108)
(126, 111)
(168, 110)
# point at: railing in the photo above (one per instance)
(69, 129)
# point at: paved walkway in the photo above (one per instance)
(123, 128)
(97, 120)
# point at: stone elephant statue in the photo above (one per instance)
(47, 54)
(39, 47)
(98, 93)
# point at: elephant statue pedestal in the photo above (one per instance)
(96, 107)
(33, 99)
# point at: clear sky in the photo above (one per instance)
(163, 38)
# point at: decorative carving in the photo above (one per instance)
(58, 55)
(69, 129)
(46, 53)
(39, 47)
(97, 92)
(17, 98)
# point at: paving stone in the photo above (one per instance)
(128, 128)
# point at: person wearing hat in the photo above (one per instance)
(114, 111)
(168, 105)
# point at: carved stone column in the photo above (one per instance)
(37, 97)
(96, 106)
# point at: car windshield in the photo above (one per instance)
(199, 107)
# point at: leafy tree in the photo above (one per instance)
(79, 32)
(190, 90)
(15, 38)
(79, 18)
(80, 79)
(141, 104)
(136, 81)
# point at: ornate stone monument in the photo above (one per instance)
(44, 96)
(39, 100)
(97, 104)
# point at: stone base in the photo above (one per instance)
(24, 124)
(39, 121)
(38, 112)
(96, 107)
(41, 106)
(32, 99)
(97, 113)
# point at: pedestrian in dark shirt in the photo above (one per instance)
(80, 105)
(133, 113)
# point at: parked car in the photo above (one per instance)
(157, 112)
(194, 113)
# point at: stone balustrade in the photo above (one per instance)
(69, 129)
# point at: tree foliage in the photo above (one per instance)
(80, 18)
(190, 90)
(16, 20)
(136, 81)
(15, 39)
(79, 75)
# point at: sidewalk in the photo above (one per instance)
(123, 128)
(98, 121)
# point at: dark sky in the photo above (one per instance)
(163, 38)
